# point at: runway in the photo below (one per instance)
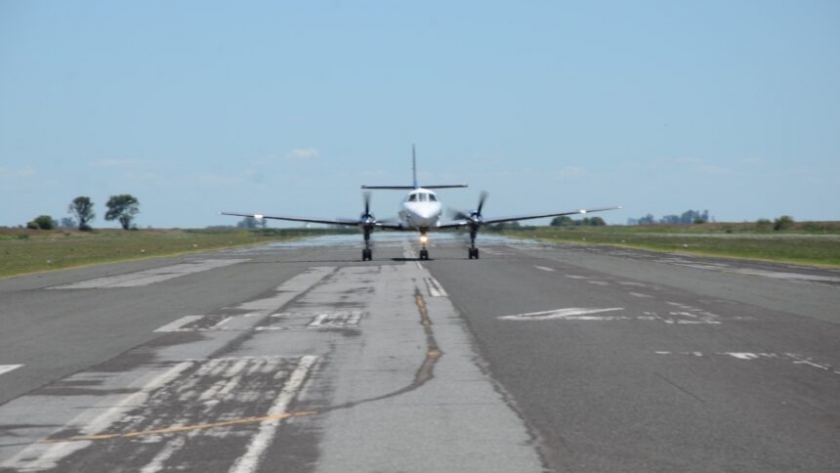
(302, 358)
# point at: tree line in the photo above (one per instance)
(121, 207)
(687, 218)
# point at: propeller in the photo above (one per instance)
(367, 219)
(473, 216)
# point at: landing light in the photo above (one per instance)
(423, 239)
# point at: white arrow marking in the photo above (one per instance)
(7, 368)
(566, 314)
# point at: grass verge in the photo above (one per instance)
(29, 251)
(726, 240)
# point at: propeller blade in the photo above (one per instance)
(458, 215)
(481, 200)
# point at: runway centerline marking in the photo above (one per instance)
(543, 268)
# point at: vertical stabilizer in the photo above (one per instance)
(415, 184)
(414, 166)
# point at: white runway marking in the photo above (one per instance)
(796, 359)
(543, 268)
(631, 283)
(42, 456)
(435, 289)
(7, 368)
(639, 294)
(574, 276)
(599, 283)
(152, 276)
(565, 314)
(250, 461)
(336, 319)
(675, 318)
(176, 325)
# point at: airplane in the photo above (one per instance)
(421, 211)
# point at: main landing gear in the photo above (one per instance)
(472, 248)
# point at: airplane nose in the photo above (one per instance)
(426, 214)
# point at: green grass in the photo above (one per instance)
(814, 243)
(28, 251)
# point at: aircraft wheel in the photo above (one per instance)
(424, 254)
(367, 255)
(475, 252)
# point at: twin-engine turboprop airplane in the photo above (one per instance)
(421, 211)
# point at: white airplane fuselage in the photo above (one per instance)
(421, 210)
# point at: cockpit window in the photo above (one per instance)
(432, 198)
(424, 197)
(412, 198)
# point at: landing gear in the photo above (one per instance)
(424, 253)
(473, 249)
(367, 253)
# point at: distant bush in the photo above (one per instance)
(785, 222)
(763, 224)
(42, 222)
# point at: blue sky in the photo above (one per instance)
(288, 107)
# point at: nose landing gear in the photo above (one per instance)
(424, 253)
(367, 253)
(473, 250)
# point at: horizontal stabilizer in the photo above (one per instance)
(442, 186)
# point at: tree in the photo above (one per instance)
(67, 222)
(122, 207)
(785, 222)
(647, 220)
(42, 222)
(562, 221)
(82, 209)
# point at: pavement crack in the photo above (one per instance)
(680, 388)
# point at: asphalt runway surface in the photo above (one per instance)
(302, 358)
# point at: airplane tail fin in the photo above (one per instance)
(415, 184)
(414, 166)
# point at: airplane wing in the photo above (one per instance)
(490, 221)
(348, 222)
(338, 221)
